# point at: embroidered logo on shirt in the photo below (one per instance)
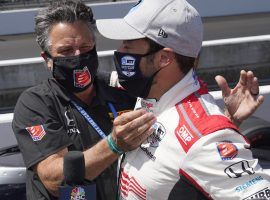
(248, 184)
(227, 150)
(157, 136)
(185, 137)
(262, 194)
(239, 169)
(71, 125)
(36, 132)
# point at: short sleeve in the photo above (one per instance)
(221, 165)
(38, 127)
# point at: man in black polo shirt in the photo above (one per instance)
(74, 110)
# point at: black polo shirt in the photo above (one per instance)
(45, 121)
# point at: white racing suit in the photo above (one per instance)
(193, 140)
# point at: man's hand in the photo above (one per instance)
(243, 100)
(132, 128)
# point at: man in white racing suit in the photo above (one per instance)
(193, 142)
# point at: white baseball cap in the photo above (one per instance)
(170, 23)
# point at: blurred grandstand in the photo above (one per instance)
(23, 4)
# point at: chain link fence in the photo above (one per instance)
(23, 4)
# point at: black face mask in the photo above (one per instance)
(130, 76)
(76, 73)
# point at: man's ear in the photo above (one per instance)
(47, 60)
(167, 56)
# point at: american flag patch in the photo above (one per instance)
(36, 132)
(130, 186)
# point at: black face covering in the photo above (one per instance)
(130, 75)
(76, 73)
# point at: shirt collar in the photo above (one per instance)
(67, 96)
(186, 86)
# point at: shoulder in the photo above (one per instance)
(199, 116)
(35, 99)
(113, 94)
(32, 94)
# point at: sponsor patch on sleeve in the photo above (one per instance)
(262, 194)
(36, 132)
(185, 137)
(227, 150)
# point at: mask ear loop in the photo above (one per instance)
(148, 87)
(48, 57)
(152, 52)
(48, 54)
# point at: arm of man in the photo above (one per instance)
(243, 100)
(221, 165)
(130, 130)
(43, 139)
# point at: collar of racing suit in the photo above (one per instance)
(188, 85)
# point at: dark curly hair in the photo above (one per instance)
(68, 11)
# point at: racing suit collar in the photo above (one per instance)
(188, 85)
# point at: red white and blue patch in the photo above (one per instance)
(82, 78)
(227, 150)
(36, 132)
(128, 66)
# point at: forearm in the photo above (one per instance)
(54, 181)
(98, 158)
(50, 172)
(130, 130)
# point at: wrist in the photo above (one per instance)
(113, 146)
(236, 121)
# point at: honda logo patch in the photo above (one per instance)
(238, 169)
